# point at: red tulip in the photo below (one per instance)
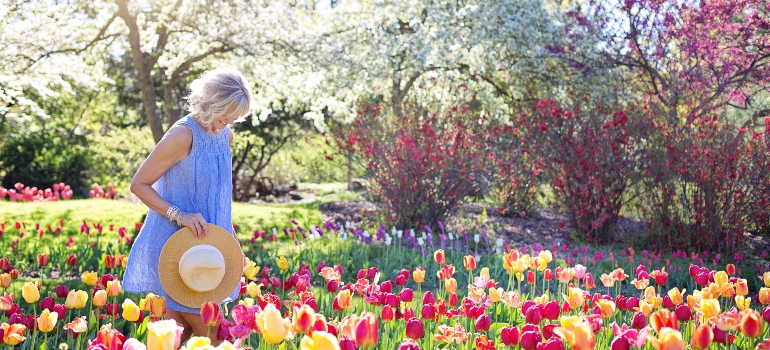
(387, 313)
(62, 291)
(554, 343)
(372, 272)
(332, 286)
(730, 269)
(439, 256)
(414, 328)
(453, 299)
(529, 340)
(408, 313)
(721, 337)
(683, 313)
(406, 295)
(639, 321)
(402, 277)
(347, 344)
(367, 331)
(210, 313)
(530, 277)
(42, 259)
(548, 275)
(386, 287)
(428, 298)
(620, 343)
(483, 322)
(509, 336)
(534, 315)
(428, 312)
(751, 325)
(548, 330)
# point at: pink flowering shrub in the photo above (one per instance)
(23, 193)
(97, 191)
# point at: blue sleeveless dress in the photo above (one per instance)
(200, 183)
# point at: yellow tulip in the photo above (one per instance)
(546, 256)
(668, 339)
(543, 299)
(676, 295)
(199, 343)
(742, 302)
(89, 278)
(247, 302)
(47, 321)
(253, 289)
(70, 302)
(495, 294)
(13, 334)
(30, 293)
(577, 332)
(709, 308)
(764, 296)
(766, 278)
(741, 287)
(575, 299)
(130, 310)
(319, 341)
(250, 270)
(113, 288)
(164, 335)
(451, 285)
(721, 278)
(272, 326)
(282, 263)
(100, 298)
(485, 273)
(418, 274)
(607, 308)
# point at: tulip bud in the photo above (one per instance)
(428, 312)
(751, 325)
(730, 269)
(548, 275)
(72, 259)
(530, 277)
(386, 287)
(533, 315)
(439, 256)
(42, 260)
(332, 286)
(683, 313)
(551, 310)
(469, 262)
(408, 313)
(371, 273)
(47, 303)
(453, 300)
(402, 277)
(100, 298)
(620, 343)
(702, 337)
(61, 291)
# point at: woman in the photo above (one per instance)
(187, 182)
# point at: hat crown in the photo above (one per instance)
(202, 267)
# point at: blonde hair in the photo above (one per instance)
(219, 92)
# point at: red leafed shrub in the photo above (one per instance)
(589, 154)
(710, 184)
(423, 163)
(516, 174)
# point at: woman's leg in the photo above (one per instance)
(179, 318)
(200, 329)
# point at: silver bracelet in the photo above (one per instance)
(179, 218)
(172, 212)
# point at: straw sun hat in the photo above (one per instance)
(197, 270)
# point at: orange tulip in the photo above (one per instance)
(210, 313)
(676, 296)
(741, 287)
(344, 298)
(641, 284)
(113, 288)
(702, 337)
(5, 280)
(577, 332)
(575, 299)
(439, 256)
(508, 260)
(153, 304)
(418, 274)
(663, 318)
(668, 339)
(451, 285)
(728, 321)
(100, 298)
(607, 280)
(764, 296)
(14, 334)
(730, 269)
(607, 308)
(469, 261)
(367, 330)
(751, 323)
(42, 259)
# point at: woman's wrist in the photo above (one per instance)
(174, 214)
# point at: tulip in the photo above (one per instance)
(367, 330)
(751, 324)
(534, 315)
(89, 278)
(702, 337)
(13, 333)
(209, 313)
(406, 295)
(483, 322)
(709, 308)
(78, 325)
(253, 290)
(47, 321)
(428, 312)
(387, 313)
(451, 285)
(509, 336)
(428, 298)
(530, 339)
(72, 259)
(165, 334)
(250, 270)
(47, 303)
(319, 341)
(606, 307)
(61, 291)
(273, 327)
(5, 280)
(414, 328)
(332, 286)
(100, 298)
(683, 313)
(343, 299)
(668, 339)
(304, 317)
(763, 297)
(418, 274)
(30, 293)
(530, 277)
(113, 288)
(469, 262)
(742, 302)
(620, 343)
(741, 287)
(408, 344)
(402, 277)
(663, 318)
(638, 321)
(347, 344)
(153, 304)
(575, 299)
(42, 259)
(495, 294)
(14, 273)
(282, 263)
(130, 310)
(730, 269)
(439, 256)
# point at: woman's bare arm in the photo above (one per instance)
(173, 147)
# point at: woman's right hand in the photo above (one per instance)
(196, 223)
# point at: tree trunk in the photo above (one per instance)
(350, 171)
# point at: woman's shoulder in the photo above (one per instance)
(179, 135)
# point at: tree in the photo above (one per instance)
(169, 42)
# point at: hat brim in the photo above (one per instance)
(178, 244)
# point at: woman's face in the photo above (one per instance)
(221, 122)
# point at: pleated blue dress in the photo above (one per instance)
(200, 183)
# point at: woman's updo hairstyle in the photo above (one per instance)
(219, 92)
